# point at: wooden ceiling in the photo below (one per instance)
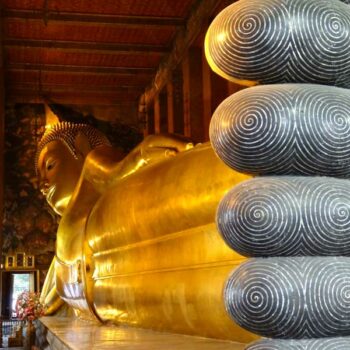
(95, 52)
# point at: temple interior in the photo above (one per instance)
(129, 68)
(174, 174)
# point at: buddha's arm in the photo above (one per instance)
(53, 302)
(49, 296)
(153, 149)
(106, 165)
(99, 166)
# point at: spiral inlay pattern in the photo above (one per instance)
(341, 343)
(285, 216)
(274, 41)
(285, 129)
(301, 297)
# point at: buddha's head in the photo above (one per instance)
(60, 158)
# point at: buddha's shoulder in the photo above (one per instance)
(104, 155)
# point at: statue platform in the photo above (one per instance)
(63, 333)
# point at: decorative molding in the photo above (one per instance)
(19, 260)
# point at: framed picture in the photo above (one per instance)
(30, 261)
(20, 259)
(10, 261)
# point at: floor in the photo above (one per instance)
(67, 333)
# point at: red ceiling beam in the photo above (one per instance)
(35, 87)
(82, 69)
(93, 19)
(72, 78)
(78, 98)
(91, 47)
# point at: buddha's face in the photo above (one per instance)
(59, 173)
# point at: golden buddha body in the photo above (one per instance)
(137, 242)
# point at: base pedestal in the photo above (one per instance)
(63, 333)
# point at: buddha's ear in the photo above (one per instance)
(82, 145)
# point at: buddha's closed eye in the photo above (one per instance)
(50, 165)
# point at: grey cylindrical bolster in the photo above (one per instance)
(273, 41)
(285, 216)
(302, 297)
(285, 129)
(341, 343)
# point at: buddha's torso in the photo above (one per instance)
(153, 257)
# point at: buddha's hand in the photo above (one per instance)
(157, 147)
(152, 149)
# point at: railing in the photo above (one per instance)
(11, 332)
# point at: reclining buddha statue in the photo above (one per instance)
(137, 242)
